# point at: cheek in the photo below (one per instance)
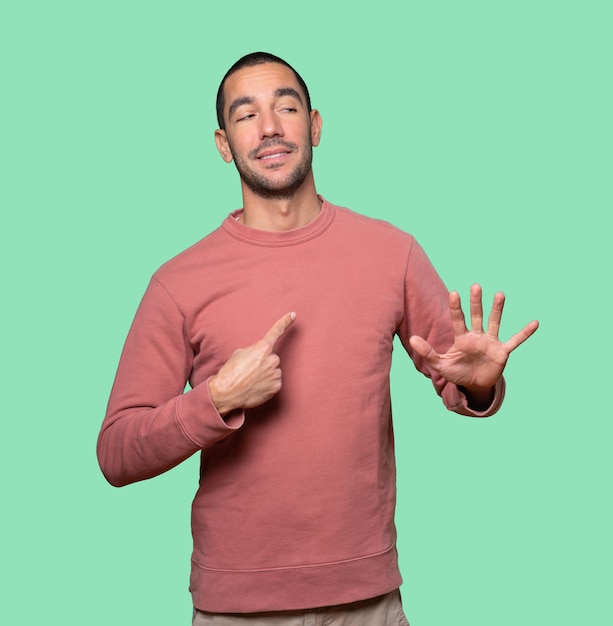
(243, 141)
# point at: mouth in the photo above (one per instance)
(277, 151)
(268, 155)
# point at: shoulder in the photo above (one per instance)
(370, 228)
(195, 257)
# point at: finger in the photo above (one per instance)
(278, 328)
(476, 308)
(457, 315)
(518, 338)
(423, 348)
(493, 322)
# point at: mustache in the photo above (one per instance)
(272, 143)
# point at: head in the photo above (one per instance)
(267, 126)
(249, 60)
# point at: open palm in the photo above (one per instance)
(477, 358)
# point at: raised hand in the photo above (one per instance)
(252, 375)
(477, 358)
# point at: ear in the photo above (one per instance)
(221, 139)
(315, 127)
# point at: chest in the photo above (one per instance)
(348, 305)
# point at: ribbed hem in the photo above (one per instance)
(286, 589)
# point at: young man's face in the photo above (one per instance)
(269, 131)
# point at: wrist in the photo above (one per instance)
(220, 400)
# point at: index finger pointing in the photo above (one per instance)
(279, 327)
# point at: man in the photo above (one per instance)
(294, 517)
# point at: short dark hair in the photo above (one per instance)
(249, 60)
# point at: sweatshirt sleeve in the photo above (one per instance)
(151, 425)
(427, 315)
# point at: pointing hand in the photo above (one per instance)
(252, 375)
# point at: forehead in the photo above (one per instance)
(259, 81)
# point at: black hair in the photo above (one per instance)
(249, 60)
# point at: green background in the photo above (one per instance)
(483, 128)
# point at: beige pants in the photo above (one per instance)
(382, 611)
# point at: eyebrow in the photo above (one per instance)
(288, 91)
(279, 93)
(239, 102)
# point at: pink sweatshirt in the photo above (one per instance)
(295, 507)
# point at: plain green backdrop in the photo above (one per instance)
(483, 128)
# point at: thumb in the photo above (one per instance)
(422, 347)
(278, 328)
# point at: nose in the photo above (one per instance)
(270, 125)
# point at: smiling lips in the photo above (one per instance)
(276, 150)
(272, 155)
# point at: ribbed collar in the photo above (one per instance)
(269, 238)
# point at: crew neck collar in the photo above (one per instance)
(292, 237)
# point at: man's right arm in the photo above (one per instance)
(151, 425)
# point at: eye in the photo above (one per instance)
(244, 117)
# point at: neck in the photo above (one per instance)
(280, 214)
